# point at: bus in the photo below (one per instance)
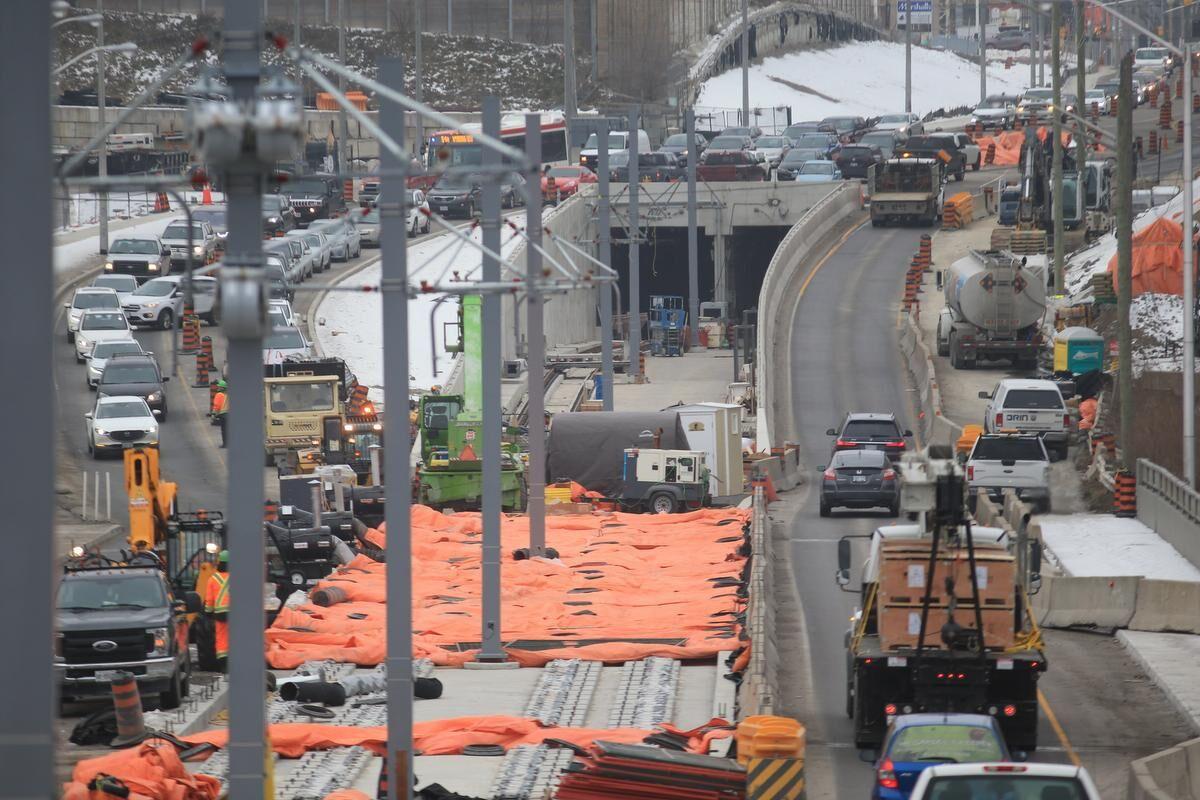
(459, 148)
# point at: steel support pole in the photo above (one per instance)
(510, 20)
(241, 306)
(745, 62)
(980, 18)
(393, 219)
(603, 222)
(1033, 43)
(101, 107)
(450, 17)
(419, 25)
(570, 103)
(27, 726)
(343, 123)
(593, 19)
(1125, 260)
(635, 268)
(1081, 108)
(490, 648)
(907, 56)
(1189, 281)
(693, 245)
(536, 340)
(1057, 170)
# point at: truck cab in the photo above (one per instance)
(122, 618)
(1031, 406)
(301, 398)
(906, 190)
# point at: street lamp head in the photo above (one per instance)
(59, 8)
(124, 47)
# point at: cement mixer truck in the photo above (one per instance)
(995, 302)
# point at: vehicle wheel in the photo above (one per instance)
(186, 683)
(166, 320)
(79, 359)
(662, 503)
(955, 355)
(975, 166)
(962, 173)
(875, 223)
(943, 350)
(894, 508)
(70, 336)
(173, 696)
(824, 510)
(428, 226)
(91, 446)
(471, 210)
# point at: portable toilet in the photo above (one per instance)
(1078, 350)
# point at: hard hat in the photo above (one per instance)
(221, 383)
(223, 557)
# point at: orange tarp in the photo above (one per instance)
(1157, 259)
(150, 770)
(619, 578)
(1008, 147)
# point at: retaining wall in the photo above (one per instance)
(1171, 774)
(756, 695)
(806, 243)
(934, 426)
(1168, 506)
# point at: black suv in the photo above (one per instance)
(278, 217)
(122, 619)
(313, 197)
(865, 431)
(660, 167)
(932, 146)
(136, 375)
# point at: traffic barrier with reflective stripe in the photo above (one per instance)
(775, 779)
(1125, 494)
(127, 703)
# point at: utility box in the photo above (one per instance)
(1078, 350)
(716, 430)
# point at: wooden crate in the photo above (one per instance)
(903, 566)
(900, 626)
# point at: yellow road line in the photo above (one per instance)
(812, 273)
(1058, 729)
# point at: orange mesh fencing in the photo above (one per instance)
(1157, 259)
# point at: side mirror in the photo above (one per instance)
(843, 556)
(831, 432)
(166, 251)
(66, 305)
(166, 378)
(88, 415)
(985, 395)
(908, 434)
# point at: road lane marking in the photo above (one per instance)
(838, 246)
(1058, 729)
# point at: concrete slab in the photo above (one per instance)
(467, 775)
(1103, 545)
(1170, 660)
(694, 696)
(470, 693)
(698, 376)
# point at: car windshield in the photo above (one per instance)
(727, 143)
(1095, 93)
(213, 216)
(116, 372)
(1039, 94)
(95, 593)
(104, 321)
(304, 186)
(123, 408)
(993, 102)
(141, 247)
(795, 158)
(841, 123)
(1150, 54)
(870, 429)
(108, 349)
(284, 339)
(885, 143)
(955, 744)
(566, 172)
(769, 142)
(894, 118)
(312, 239)
(855, 152)
(616, 141)
(118, 283)
(1033, 398)
(272, 202)
(813, 140)
(1008, 449)
(175, 231)
(676, 140)
(1108, 88)
(1006, 786)
(370, 218)
(730, 157)
(458, 180)
(817, 168)
(793, 131)
(156, 288)
(735, 132)
(287, 397)
(96, 300)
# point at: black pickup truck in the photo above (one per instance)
(316, 196)
(941, 146)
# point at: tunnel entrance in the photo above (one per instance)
(664, 264)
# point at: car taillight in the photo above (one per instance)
(844, 443)
(887, 775)
(830, 475)
(890, 709)
(970, 473)
(1005, 768)
(889, 474)
(999, 420)
(1010, 710)
(1066, 420)
(897, 443)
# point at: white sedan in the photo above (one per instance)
(105, 350)
(100, 326)
(283, 343)
(118, 421)
(418, 214)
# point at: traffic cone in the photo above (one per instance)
(206, 198)
(127, 702)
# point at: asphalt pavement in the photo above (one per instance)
(1098, 709)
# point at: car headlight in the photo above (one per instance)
(58, 646)
(159, 642)
(198, 250)
(272, 220)
(312, 209)
(153, 267)
(108, 266)
(101, 432)
(154, 397)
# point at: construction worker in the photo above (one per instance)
(216, 606)
(220, 407)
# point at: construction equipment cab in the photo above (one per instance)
(663, 481)
(302, 396)
(122, 616)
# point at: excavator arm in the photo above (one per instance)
(151, 499)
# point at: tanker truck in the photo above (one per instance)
(995, 301)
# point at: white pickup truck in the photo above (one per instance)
(1029, 406)
(1010, 461)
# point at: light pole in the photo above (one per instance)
(91, 18)
(124, 47)
(907, 56)
(745, 62)
(980, 15)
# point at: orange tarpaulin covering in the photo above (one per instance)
(1008, 147)
(151, 770)
(1157, 259)
(620, 580)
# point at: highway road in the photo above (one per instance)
(1098, 707)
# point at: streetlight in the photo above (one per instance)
(124, 47)
(93, 19)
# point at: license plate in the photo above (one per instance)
(443, 208)
(858, 478)
(107, 675)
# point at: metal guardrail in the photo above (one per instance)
(1173, 491)
(756, 694)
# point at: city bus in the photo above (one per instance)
(459, 148)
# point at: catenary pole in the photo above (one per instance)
(490, 648)
(101, 108)
(27, 726)
(241, 288)
(393, 219)
(981, 21)
(693, 246)
(419, 26)
(570, 103)
(1189, 282)
(1081, 109)
(907, 55)
(605, 245)
(635, 269)
(343, 123)
(1125, 259)
(1057, 172)
(745, 62)
(536, 339)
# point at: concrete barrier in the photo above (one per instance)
(1167, 606)
(1101, 602)
(1171, 774)
(935, 427)
(759, 686)
(805, 244)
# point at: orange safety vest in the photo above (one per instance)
(216, 594)
(220, 403)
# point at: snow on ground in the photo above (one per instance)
(1102, 545)
(84, 208)
(353, 329)
(865, 78)
(72, 255)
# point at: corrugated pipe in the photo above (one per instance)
(335, 694)
(327, 596)
(342, 553)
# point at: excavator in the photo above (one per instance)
(1035, 214)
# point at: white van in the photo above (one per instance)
(1156, 58)
(617, 140)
